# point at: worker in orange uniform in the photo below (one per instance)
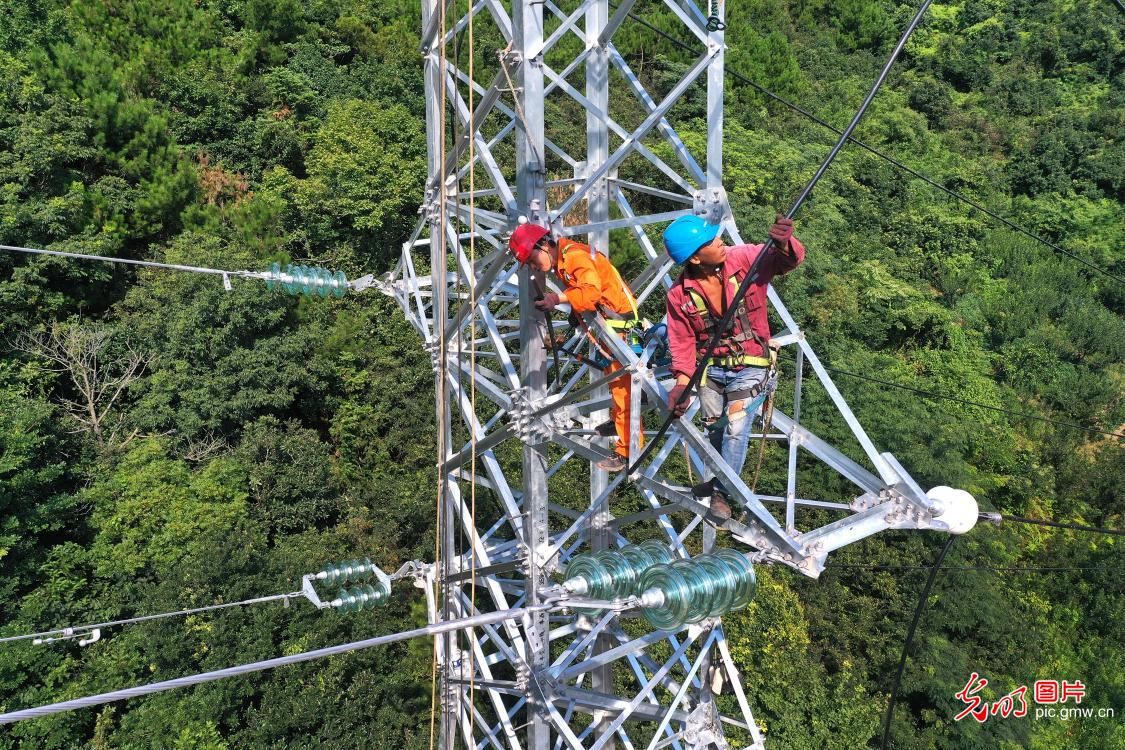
(591, 284)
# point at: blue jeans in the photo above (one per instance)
(714, 400)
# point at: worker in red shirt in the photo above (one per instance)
(740, 370)
(590, 283)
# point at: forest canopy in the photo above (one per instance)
(232, 441)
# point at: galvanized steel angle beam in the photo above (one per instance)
(546, 534)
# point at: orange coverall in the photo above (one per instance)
(593, 284)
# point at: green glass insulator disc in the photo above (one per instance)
(700, 589)
(368, 596)
(640, 559)
(339, 284)
(661, 553)
(725, 583)
(622, 576)
(274, 278)
(347, 601)
(295, 278)
(360, 569)
(333, 573)
(674, 612)
(599, 585)
(319, 280)
(747, 579)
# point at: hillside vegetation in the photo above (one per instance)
(256, 436)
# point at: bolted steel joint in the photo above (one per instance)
(711, 204)
(531, 430)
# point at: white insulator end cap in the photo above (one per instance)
(959, 511)
(652, 598)
(521, 220)
(577, 585)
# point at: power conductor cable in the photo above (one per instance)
(48, 635)
(890, 159)
(909, 638)
(998, 518)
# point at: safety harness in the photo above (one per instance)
(733, 341)
(627, 326)
(738, 334)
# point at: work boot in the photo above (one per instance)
(606, 429)
(703, 489)
(720, 508)
(616, 463)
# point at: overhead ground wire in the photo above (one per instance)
(890, 159)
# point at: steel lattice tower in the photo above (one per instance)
(519, 427)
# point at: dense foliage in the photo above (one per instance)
(255, 436)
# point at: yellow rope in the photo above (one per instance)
(439, 332)
(515, 98)
(767, 421)
(472, 362)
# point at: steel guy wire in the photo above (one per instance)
(890, 159)
(752, 274)
(77, 629)
(259, 666)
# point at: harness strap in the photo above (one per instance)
(622, 325)
(731, 340)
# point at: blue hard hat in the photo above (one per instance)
(686, 235)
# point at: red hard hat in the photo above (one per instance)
(523, 240)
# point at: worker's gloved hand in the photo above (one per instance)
(549, 302)
(675, 405)
(782, 231)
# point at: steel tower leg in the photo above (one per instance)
(527, 35)
(585, 682)
(432, 13)
(597, 203)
